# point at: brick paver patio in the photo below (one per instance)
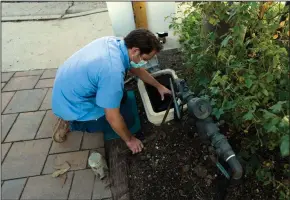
(28, 153)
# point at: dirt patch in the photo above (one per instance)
(177, 165)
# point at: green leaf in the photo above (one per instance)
(267, 182)
(248, 82)
(213, 102)
(223, 80)
(193, 47)
(236, 29)
(282, 195)
(212, 36)
(229, 105)
(268, 115)
(232, 14)
(226, 41)
(275, 61)
(277, 107)
(215, 90)
(218, 112)
(275, 121)
(249, 115)
(284, 146)
(270, 128)
(283, 95)
(284, 122)
(213, 21)
(250, 97)
(283, 81)
(251, 60)
(254, 4)
(270, 78)
(262, 85)
(265, 92)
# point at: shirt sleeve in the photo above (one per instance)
(110, 91)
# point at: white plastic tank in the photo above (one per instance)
(156, 13)
(156, 117)
(122, 17)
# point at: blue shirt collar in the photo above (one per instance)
(124, 50)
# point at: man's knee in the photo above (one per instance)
(91, 126)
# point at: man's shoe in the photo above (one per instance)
(60, 131)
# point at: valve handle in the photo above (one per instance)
(174, 99)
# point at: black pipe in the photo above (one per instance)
(208, 130)
(236, 167)
(224, 150)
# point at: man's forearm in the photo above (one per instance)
(146, 77)
(119, 126)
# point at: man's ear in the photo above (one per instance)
(135, 50)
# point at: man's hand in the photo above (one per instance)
(162, 91)
(134, 145)
(118, 124)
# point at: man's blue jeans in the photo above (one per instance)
(102, 125)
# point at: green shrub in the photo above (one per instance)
(243, 71)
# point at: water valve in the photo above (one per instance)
(162, 37)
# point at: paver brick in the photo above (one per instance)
(47, 187)
(77, 160)
(101, 190)
(5, 76)
(12, 189)
(26, 101)
(25, 127)
(25, 159)
(6, 123)
(29, 73)
(43, 83)
(49, 73)
(83, 184)
(6, 97)
(5, 147)
(47, 125)
(72, 143)
(93, 140)
(46, 104)
(21, 83)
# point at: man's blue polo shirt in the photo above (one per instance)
(90, 80)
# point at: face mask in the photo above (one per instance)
(141, 63)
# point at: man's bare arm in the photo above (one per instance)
(118, 124)
(146, 77)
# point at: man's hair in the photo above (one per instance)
(143, 39)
